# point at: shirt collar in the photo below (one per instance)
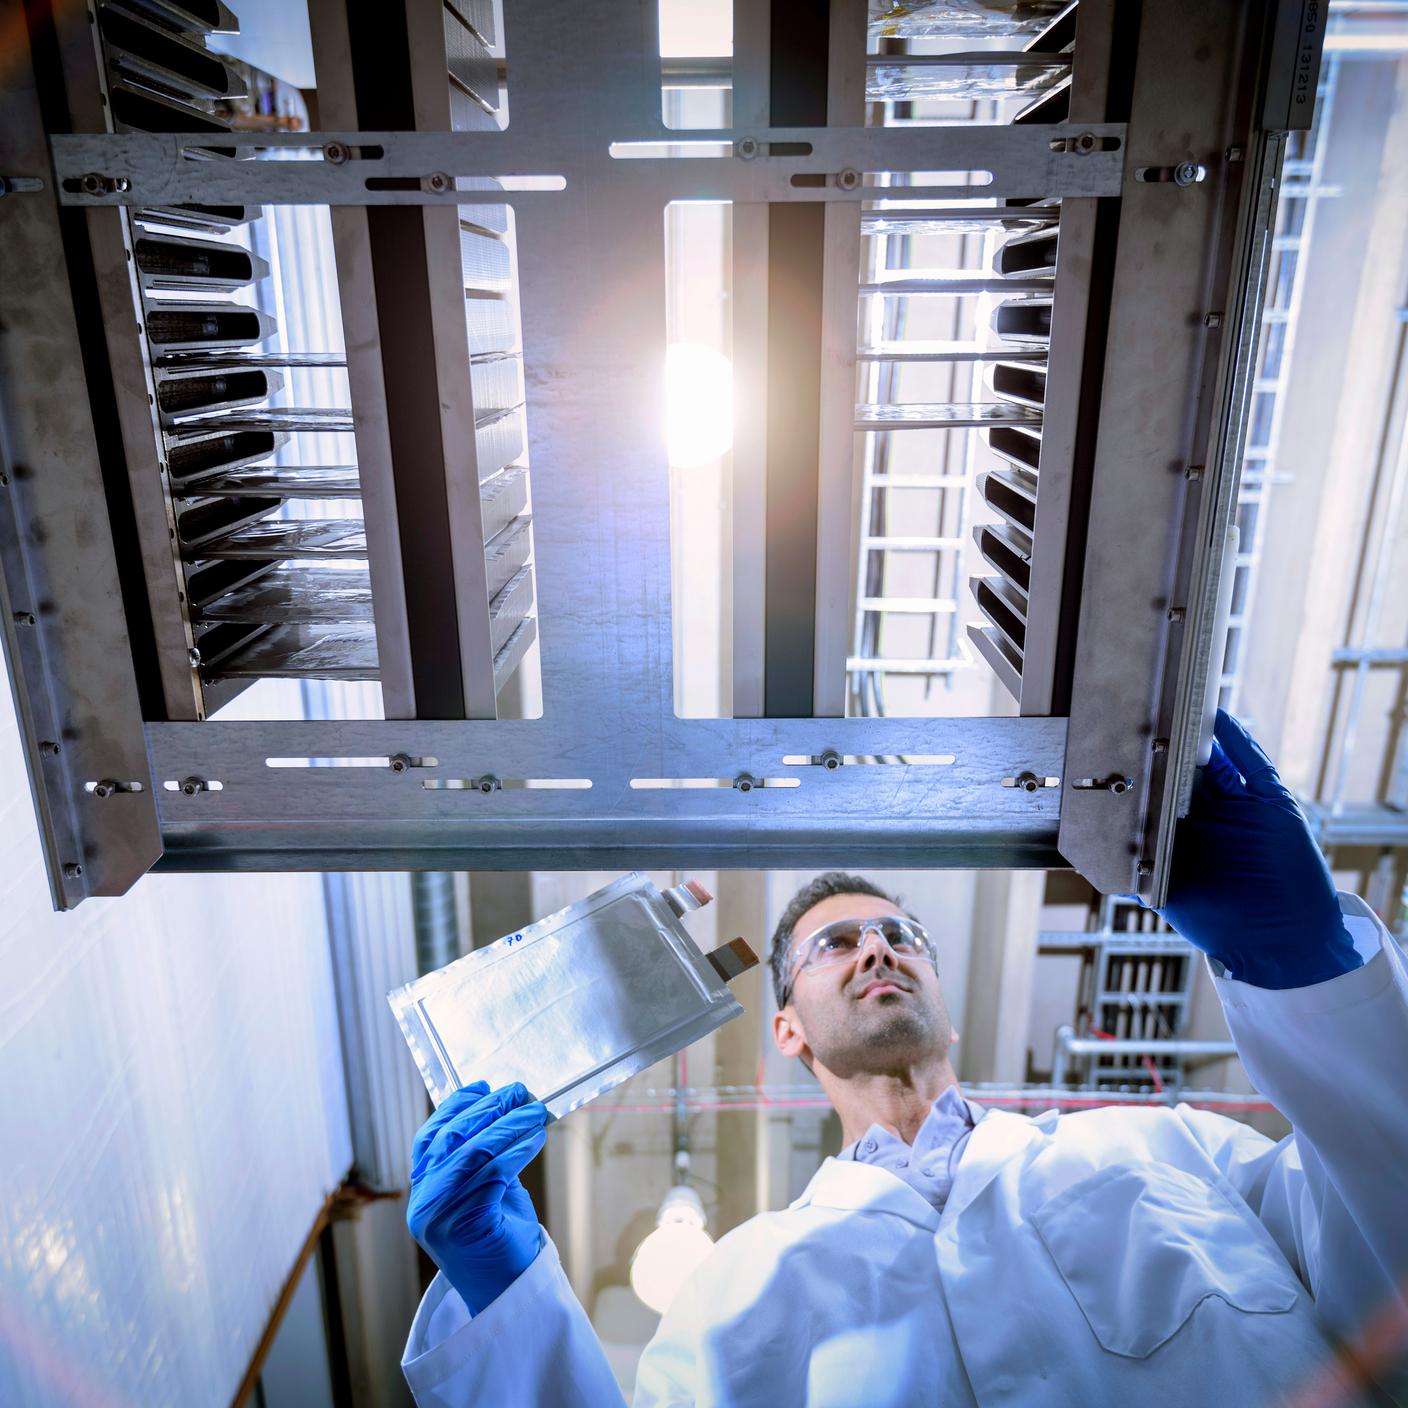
(948, 1117)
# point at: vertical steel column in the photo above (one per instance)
(838, 480)
(361, 328)
(796, 267)
(419, 422)
(751, 96)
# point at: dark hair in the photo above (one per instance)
(827, 884)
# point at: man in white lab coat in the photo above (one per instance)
(955, 1255)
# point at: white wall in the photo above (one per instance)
(172, 1118)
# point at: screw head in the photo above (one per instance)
(192, 785)
(4, 479)
(335, 153)
(1120, 785)
(1144, 868)
(1160, 745)
(105, 788)
(488, 784)
(73, 871)
(745, 148)
(122, 184)
(744, 782)
(24, 618)
(1028, 782)
(1233, 154)
(91, 184)
(1212, 320)
(49, 748)
(1189, 173)
(400, 762)
(1086, 143)
(438, 182)
(848, 179)
(831, 760)
(193, 655)
(1175, 613)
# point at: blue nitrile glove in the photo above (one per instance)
(467, 1207)
(1249, 885)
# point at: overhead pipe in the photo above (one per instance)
(1068, 1044)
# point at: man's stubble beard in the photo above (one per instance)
(899, 1033)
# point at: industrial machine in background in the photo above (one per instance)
(186, 512)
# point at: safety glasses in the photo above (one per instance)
(842, 940)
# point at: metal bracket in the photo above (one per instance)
(528, 168)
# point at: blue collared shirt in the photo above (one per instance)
(929, 1164)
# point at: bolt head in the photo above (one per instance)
(1086, 142)
(830, 760)
(24, 618)
(437, 181)
(193, 655)
(746, 148)
(73, 871)
(92, 184)
(192, 785)
(744, 783)
(400, 763)
(1144, 868)
(848, 179)
(104, 789)
(488, 784)
(335, 153)
(1119, 785)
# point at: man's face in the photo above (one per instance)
(873, 1011)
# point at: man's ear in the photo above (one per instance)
(787, 1033)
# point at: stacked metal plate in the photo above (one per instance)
(1027, 260)
(266, 594)
(495, 367)
(976, 380)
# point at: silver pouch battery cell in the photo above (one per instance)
(576, 1003)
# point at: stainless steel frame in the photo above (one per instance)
(565, 790)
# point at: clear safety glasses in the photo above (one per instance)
(841, 940)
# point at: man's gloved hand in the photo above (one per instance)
(1249, 884)
(467, 1207)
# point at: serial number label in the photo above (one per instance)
(1303, 83)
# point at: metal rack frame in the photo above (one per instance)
(575, 788)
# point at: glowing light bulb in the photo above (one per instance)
(666, 1258)
(698, 404)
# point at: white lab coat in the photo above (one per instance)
(1111, 1256)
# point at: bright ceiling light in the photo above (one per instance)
(665, 1260)
(698, 404)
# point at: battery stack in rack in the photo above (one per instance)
(1028, 254)
(267, 593)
